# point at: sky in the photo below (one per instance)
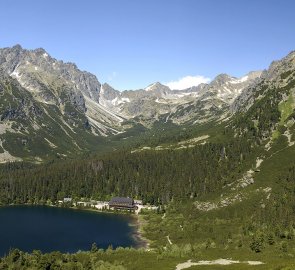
(130, 44)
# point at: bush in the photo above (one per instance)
(284, 247)
(270, 239)
(257, 243)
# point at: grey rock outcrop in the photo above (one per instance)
(35, 69)
(277, 75)
(57, 83)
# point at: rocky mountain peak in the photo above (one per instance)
(39, 51)
(222, 78)
(227, 88)
(106, 85)
(17, 47)
(193, 89)
(158, 90)
(277, 75)
(252, 75)
(108, 92)
(36, 68)
(156, 86)
(278, 67)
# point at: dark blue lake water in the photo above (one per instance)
(66, 230)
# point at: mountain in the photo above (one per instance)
(42, 94)
(157, 101)
(266, 109)
(279, 74)
(57, 83)
(48, 107)
(212, 102)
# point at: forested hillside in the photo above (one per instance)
(155, 176)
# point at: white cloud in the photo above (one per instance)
(187, 81)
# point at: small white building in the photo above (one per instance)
(101, 205)
(84, 204)
(138, 202)
(67, 200)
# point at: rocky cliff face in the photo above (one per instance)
(208, 102)
(279, 74)
(48, 107)
(34, 69)
(157, 100)
(63, 85)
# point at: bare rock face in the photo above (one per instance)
(277, 75)
(37, 70)
(211, 101)
(189, 105)
(276, 68)
(60, 84)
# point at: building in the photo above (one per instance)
(67, 200)
(122, 203)
(84, 204)
(138, 202)
(100, 205)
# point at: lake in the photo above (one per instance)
(66, 230)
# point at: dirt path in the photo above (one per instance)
(189, 263)
(169, 241)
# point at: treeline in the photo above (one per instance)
(98, 259)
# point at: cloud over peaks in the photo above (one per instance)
(186, 82)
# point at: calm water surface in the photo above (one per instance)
(49, 228)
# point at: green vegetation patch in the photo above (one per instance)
(286, 108)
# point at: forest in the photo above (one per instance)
(154, 176)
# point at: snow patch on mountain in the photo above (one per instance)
(150, 87)
(241, 80)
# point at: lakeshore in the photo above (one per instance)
(60, 229)
(136, 221)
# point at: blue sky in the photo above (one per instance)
(132, 43)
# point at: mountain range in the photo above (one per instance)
(49, 108)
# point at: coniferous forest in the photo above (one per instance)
(155, 176)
